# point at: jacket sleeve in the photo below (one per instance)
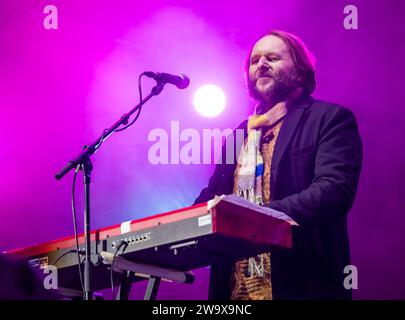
(221, 182)
(216, 183)
(338, 162)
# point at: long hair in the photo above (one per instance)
(303, 59)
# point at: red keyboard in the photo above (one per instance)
(183, 239)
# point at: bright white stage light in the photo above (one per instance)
(209, 100)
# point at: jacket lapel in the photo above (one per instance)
(290, 124)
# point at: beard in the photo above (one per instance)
(283, 84)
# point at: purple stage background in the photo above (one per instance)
(60, 88)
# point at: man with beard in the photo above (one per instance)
(303, 157)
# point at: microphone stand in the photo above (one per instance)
(83, 161)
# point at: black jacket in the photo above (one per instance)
(314, 176)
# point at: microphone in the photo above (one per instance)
(181, 81)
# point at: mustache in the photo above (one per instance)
(267, 73)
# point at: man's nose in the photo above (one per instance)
(263, 63)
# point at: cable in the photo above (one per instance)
(122, 243)
(140, 108)
(98, 145)
(130, 124)
(70, 251)
(75, 227)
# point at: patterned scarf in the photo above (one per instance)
(251, 278)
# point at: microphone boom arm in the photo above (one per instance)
(89, 150)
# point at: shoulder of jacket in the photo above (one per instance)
(321, 107)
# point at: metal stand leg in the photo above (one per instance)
(125, 286)
(151, 290)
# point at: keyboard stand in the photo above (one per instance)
(131, 270)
